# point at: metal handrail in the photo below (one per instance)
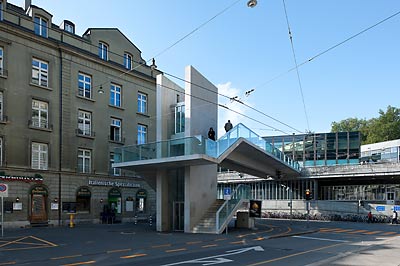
(234, 196)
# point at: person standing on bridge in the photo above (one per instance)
(211, 134)
(228, 126)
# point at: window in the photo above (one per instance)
(142, 103)
(115, 95)
(1, 10)
(40, 72)
(69, 28)
(84, 123)
(40, 26)
(179, 118)
(141, 134)
(39, 156)
(103, 51)
(128, 61)
(84, 85)
(114, 171)
(1, 150)
(1, 107)
(115, 129)
(40, 113)
(83, 196)
(84, 161)
(1, 61)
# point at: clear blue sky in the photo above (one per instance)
(245, 49)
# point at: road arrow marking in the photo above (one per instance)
(218, 258)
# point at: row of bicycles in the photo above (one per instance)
(330, 217)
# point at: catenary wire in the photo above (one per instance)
(141, 85)
(329, 49)
(248, 106)
(164, 50)
(297, 68)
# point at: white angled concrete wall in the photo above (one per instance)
(201, 101)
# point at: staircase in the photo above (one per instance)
(208, 223)
(218, 216)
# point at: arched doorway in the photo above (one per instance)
(115, 200)
(38, 210)
(141, 196)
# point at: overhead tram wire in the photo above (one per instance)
(329, 49)
(164, 86)
(248, 106)
(163, 51)
(181, 39)
(295, 62)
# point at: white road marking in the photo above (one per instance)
(218, 258)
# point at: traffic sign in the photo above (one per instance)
(3, 190)
(227, 193)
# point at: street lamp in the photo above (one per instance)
(252, 3)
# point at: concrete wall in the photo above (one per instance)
(200, 114)
(166, 98)
(200, 192)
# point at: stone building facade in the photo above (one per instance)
(66, 102)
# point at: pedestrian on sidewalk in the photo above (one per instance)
(370, 218)
(394, 217)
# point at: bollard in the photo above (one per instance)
(135, 220)
(71, 220)
(150, 220)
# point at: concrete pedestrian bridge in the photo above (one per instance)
(240, 149)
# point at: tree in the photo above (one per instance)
(385, 127)
(351, 124)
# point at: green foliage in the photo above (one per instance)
(385, 127)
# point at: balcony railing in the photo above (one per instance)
(85, 133)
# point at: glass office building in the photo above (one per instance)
(320, 149)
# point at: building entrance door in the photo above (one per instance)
(178, 216)
(38, 209)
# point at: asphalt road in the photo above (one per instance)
(274, 242)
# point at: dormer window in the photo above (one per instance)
(103, 51)
(40, 26)
(128, 61)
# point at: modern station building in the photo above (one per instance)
(66, 102)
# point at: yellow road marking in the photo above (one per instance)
(175, 250)
(161, 246)
(329, 229)
(292, 255)
(389, 233)
(80, 263)
(194, 242)
(372, 233)
(282, 234)
(66, 257)
(118, 250)
(258, 238)
(8, 263)
(25, 248)
(342, 230)
(220, 239)
(133, 256)
(209, 246)
(358, 231)
(256, 233)
(12, 242)
(51, 244)
(237, 242)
